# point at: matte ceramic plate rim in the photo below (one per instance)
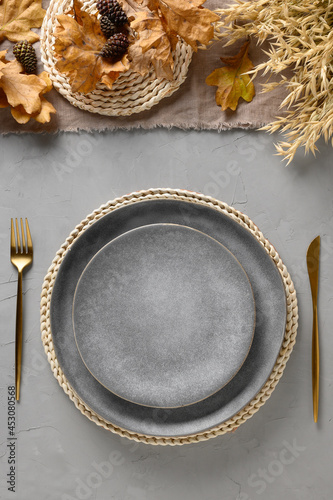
(237, 368)
(114, 411)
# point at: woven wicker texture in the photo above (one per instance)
(287, 345)
(131, 92)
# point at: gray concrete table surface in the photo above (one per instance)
(55, 181)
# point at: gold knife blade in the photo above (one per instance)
(312, 260)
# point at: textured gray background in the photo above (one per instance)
(56, 181)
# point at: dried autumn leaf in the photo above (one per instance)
(17, 17)
(132, 7)
(109, 79)
(3, 99)
(46, 108)
(44, 115)
(47, 80)
(231, 81)
(20, 115)
(21, 89)
(151, 47)
(24, 93)
(3, 56)
(78, 43)
(188, 19)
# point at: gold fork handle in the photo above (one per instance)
(315, 365)
(18, 336)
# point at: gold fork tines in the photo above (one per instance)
(21, 254)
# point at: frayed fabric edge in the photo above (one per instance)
(219, 127)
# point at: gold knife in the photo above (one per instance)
(312, 260)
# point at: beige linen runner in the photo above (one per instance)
(191, 107)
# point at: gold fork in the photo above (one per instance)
(21, 257)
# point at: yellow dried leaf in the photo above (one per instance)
(20, 115)
(78, 43)
(17, 17)
(132, 7)
(44, 115)
(151, 47)
(109, 79)
(3, 99)
(21, 89)
(188, 19)
(3, 56)
(24, 93)
(231, 81)
(46, 79)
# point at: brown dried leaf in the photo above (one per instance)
(78, 43)
(21, 89)
(188, 19)
(46, 79)
(44, 115)
(109, 79)
(132, 7)
(231, 81)
(17, 17)
(46, 109)
(20, 115)
(24, 93)
(3, 99)
(152, 46)
(3, 56)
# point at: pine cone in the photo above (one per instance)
(103, 7)
(113, 10)
(116, 13)
(107, 27)
(26, 55)
(116, 46)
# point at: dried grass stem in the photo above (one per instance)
(301, 39)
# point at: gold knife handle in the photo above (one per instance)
(315, 364)
(18, 336)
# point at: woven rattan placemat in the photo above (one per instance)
(192, 106)
(130, 93)
(287, 345)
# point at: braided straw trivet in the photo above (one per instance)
(131, 92)
(287, 345)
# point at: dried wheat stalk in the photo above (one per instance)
(301, 38)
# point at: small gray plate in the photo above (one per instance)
(271, 310)
(163, 316)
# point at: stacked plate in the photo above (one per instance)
(167, 316)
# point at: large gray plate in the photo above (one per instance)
(269, 298)
(163, 316)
